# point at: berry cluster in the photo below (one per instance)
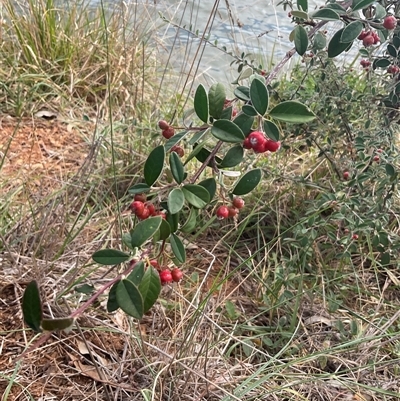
(143, 209)
(167, 275)
(365, 64)
(369, 38)
(167, 130)
(223, 212)
(259, 143)
(393, 69)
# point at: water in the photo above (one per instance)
(261, 29)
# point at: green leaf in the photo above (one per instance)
(227, 131)
(57, 324)
(216, 99)
(335, 46)
(299, 14)
(32, 306)
(302, 5)
(351, 31)
(319, 41)
(248, 182)
(249, 110)
(300, 39)
(177, 248)
(203, 154)
(244, 122)
(292, 112)
(154, 165)
(271, 130)
(150, 288)
(174, 140)
(130, 299)
(380, 11)
(136, 275)
(112, 303)
(177, 169)
(201, 103)
(390, 170)
(227, 113)
(381, 63)
(326, 14)
(392, 50)
(242, 93)
(110, 257)
(191, 222)
(196, 195)
(85, 289)
(210, 185)
(359, 5)
(173, 221)
(176, 200)
(233, 157)
(139, 189)
(165, 230)
(259, 96)
(145, 230)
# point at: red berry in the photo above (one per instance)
(140, 197)
(346, 175)
(178, 150)
(152, 209)
(272, 146)
(390, 22)
(165, 277)
(237, 202)
(362, 35)
(379, 150)
(260, 147)
(168, 133)
(232, 211)
(145, 214)
(393, 69)
(368, 40)
(246, 143)
(365, 63)
(222, 212)
(376, 158)
(256, 139)
(376, 38)
(163, 124)
(355, 236)
(176, 275)
(154, 263)
(137, 207)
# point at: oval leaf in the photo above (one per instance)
(173, 221)
(177, 169)
(32, 306)
(271, 130)
(129, 299)
(110, 257)
(201, 103)
(196, 195)
(244, 122)
(390, 171)
(302, 5)
(210, 185)
(259, 96)
(292, 112)
(359, 5)
(216, 100)
(319, 41)
(335, 46)
(112, 303)
(57, 324)
(248, 182)
(140, 188)
(144, 230)
(249, 110)
(176, 200)
(242, 93)
(165, 230)
(326, 14)
(177, 248)
(136, 275)
(233, 157)
(351, 31)
(191, 222)
(300, 39)
(150, 288)
(154, 165)
(227, 131)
